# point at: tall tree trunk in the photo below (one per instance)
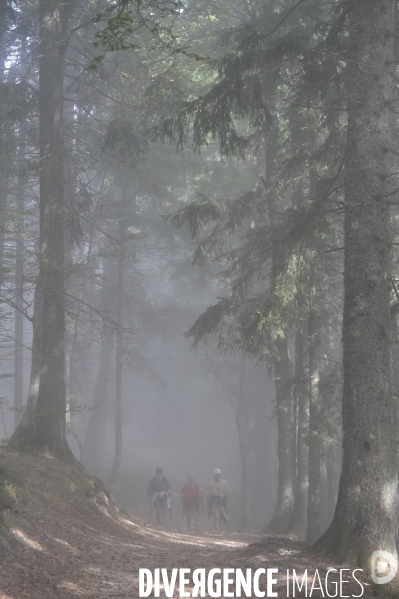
(94, 437)
(280, 522)
(119, 356)
(19, 285)
(71, 360)
(51, 401)
(283, 371)
(365, 517)
(331, 406)
(313, 517)
(299, 518)
(69, 384)
(25, 433)
(242, 429)
(4, 151)
(332, 466)
(298, 524)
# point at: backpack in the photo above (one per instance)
(191, 493)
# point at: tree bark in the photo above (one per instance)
(119, 355)
(242, 429)
(51, 402)
(94, 438)
(282, 367)
(19, 285)
(43, 421)
(331, 406)
(365, 518)
(25, 433)
(280, 522)
(332, 466)
(313, 518)
(4, 162)
(299, 517)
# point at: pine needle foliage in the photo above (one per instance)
(292, 81)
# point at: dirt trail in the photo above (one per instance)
(98, 558)
(69, 542)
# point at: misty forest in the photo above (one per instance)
(199, 272)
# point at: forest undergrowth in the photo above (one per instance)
(63, 537)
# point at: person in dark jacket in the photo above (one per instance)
(159, 492)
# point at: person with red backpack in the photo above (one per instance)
(191, 499)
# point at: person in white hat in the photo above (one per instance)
(218, 499)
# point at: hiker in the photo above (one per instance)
(191, 496)
(218, 499)
(159, 492)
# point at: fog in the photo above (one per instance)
(188, 277)
(177, 413)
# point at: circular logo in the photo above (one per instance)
(384, 566)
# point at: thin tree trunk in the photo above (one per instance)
(332, 404)
(19, 285)
(332, 466)
(280, 522)
(313, 517)
(4, 158)
(242, 429)
(282, 367)
(25, 433)
(366, 514)
(94, 438)
(71, 397)
(300, 512)
(70, 359)
(323, 511)
(298, 524)
(119, 358)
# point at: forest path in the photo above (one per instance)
(99, 557)
(69, 541)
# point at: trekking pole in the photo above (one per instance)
(169, 506)
(150, 512)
